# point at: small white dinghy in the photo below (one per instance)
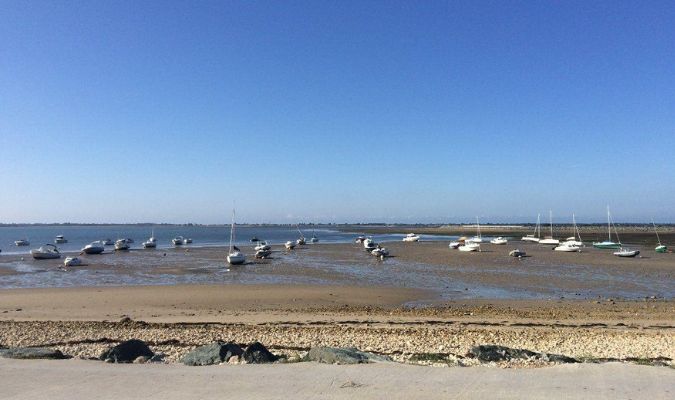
(60, 239)
(369, 245)
(121, 244)
(22, 242)
(469, 246)
(262, 246)
(94, 248)
(380, 252)
(411, 237)
(72, 262)
(178, 241)
(517, 253)
(624, 252)
(46, 252)
(263, 253)
(499, 240)
(568, 247)
(290, 245)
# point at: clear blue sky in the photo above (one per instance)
(336, 111)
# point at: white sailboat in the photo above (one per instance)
(575, 239)
(235, 256)
(608, 244)
(151, 243)
(535, 237)
(550, 239)
(301, 240)
(478, 238)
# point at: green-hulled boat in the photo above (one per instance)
(661, 248)
(608, 244)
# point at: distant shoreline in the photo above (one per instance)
(358, 226)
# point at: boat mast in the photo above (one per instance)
(609, 227)
(576, 228)
(657, 232)
(538, 227)
(616, 232)
(232, 231)
(478, 227)
(550, 219)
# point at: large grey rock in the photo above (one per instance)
(214, 353)
(334, 355)
(127, 352)
(32, 353)
(258, 354)
(502, 353)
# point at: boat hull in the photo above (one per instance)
(568, 249)
(93, 250)
(661, 249)
(236, 259)
(607, 245)
(45, 256)
(628, 254)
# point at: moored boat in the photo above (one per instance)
(380, 252)
(234, 256)
(72, 262)
(151, 243)
(107, 242)
(535, 237)
(177, 241)
(549, 239)
(121, 245)
(478, 238)
(517, 253)
(94, 248)
(608, 244)
(625, 252)
(411, 237)
(290, 245)
(500, 240)
(469, 246)
(22, 242)
(262, 246)
(260, 254)
(46, 252)
(60, 239)
(567, 247)
(660, 248)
